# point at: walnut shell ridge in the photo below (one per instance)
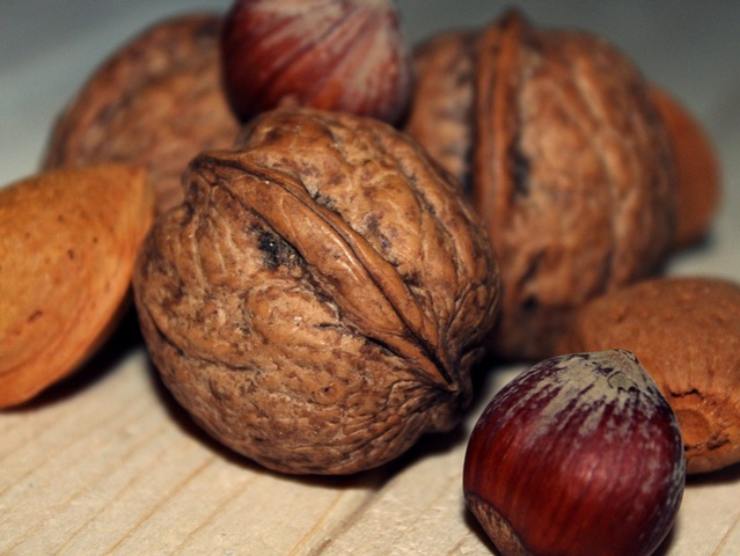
(442, 116)
(157, 102)
(318, 300)
(570, 166)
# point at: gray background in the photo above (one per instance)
(48, 47)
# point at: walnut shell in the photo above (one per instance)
(317, 301)
(157, 102)
(698, 173)
(686, 332)
(442, 112)
(571, 168)
(68, 243)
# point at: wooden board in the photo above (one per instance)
(107, 463)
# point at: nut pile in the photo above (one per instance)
(317, 284)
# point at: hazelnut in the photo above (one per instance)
(697, 169)
(68, 242)
(318, 300)
(686, 331)
(345, 55)
(570, 165)
(156, 102)
(580, 455)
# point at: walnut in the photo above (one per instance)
(157, 102)
(686, 332)
(442, 112)
(570, 164)
(318, 300)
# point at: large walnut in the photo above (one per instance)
(157, 101)
(318, 300)
(570, 165)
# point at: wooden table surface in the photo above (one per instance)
(107, 463)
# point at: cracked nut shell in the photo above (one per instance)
(317, 301)
(569, 162)
(156, 102)
(686, 332)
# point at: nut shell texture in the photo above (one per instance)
(157, 102)
(580, 455)
(572, 171)
(686, 331)
(441, 115)
(318, 300)
(68, 243)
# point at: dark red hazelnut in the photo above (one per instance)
(343, 55)
(580, 455)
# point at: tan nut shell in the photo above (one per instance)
(318, 300)
(572, 171)
(686, 333)
(698, 172)
(68, 242)
(157, 102)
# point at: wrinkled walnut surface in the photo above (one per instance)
(318, 300)
(686, 332)
(572, 171)
(157, 101)
(441, 115)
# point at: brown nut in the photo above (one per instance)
(442, 112)
(686, 332)
(156, 102)
(346, 55)
(318, 300)
(68, 242)
(580, 455)
(697, 169)
(571, 169)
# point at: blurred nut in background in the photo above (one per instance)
(698, 172)
(686, 332)
(157, 102)
(68, 243)
(317, 302)
(571, 167)
(345, 55)
(442, 117)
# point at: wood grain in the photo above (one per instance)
(113, 467)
